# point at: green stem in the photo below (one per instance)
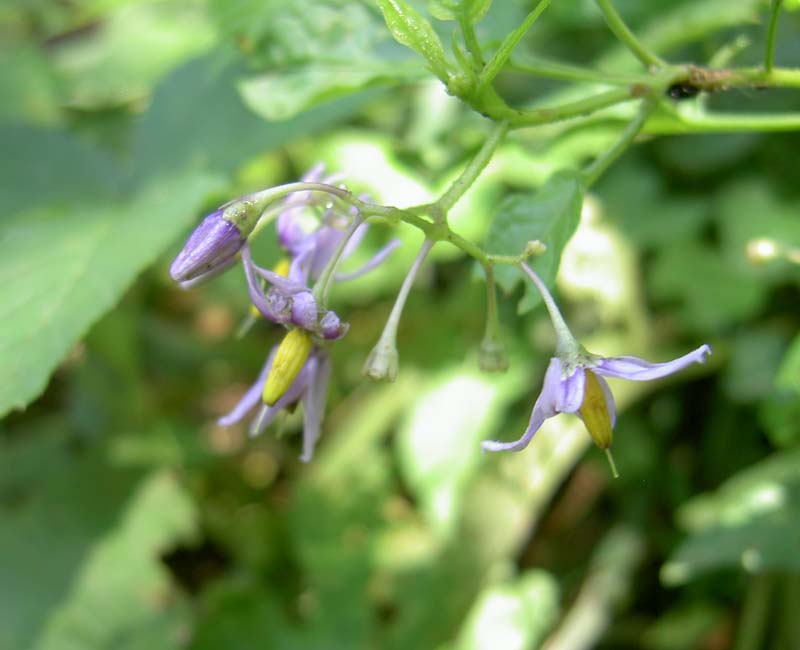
(600, 164)
(755, 611)
(507, 46)
(492, 319)
(473, 169)
(471, 41)
(775, 77)
(720, 123)
(567, 72)
(535, 117)
(389, 334)
(566, 343)
(322, 287)
(626, 36)
(772, 30)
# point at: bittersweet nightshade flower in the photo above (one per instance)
(309, 387)
(574, 382)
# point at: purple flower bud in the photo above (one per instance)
(331, 327)
(211, 247)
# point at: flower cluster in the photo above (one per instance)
(315, 236)
(317, 229)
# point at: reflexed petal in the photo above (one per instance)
(637, 369)
(355, 240)
(376, 261)
(267, 307)
(545, 407)
(327, 238)
(278, 281)
(536, 421)
(251, 397)
(314, 406)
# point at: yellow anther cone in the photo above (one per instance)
(289, 360)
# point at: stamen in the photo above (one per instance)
(289, 361)
(594, 412)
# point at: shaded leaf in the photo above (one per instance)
(549, 215)
(61, 267)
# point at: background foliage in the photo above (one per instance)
(128, 520)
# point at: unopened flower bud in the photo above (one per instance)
(289, 359)
(382, 362)
(492, 356)
(211, 248)
(331, 326)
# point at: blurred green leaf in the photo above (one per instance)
(683, 628)
(754, 357)
(281, 95)
(412, 30)
(789, 372)
(28, 86)
(439, 444)
(726, 295)
(122, 597)
(79, 546)
(752, 521)
(550, 215)
(62, 267)
(472, 10)
(122, 58)
(514, 615)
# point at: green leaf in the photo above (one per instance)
(80, 543)
(472, 10)
(549, 215)
(439, 445)
(282, 95)
(117, 598)
(725, 295)
(752, 522)
(414, 31)
(62, 266)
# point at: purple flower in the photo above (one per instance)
(310, 388)
(574, 382)
(580, 388)
(210, 249)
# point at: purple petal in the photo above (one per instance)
(251, 397)
(376, 261)
(571, 393)
(314, 407)
(637, 369)
(268, 307)
(610, 405)
(545, 407)
(212, 244)
(355, 240)
(327, 239)
(304, 310)
(211, 273)
(281, 282)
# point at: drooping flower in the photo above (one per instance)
(574, 382)
(309, 387)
